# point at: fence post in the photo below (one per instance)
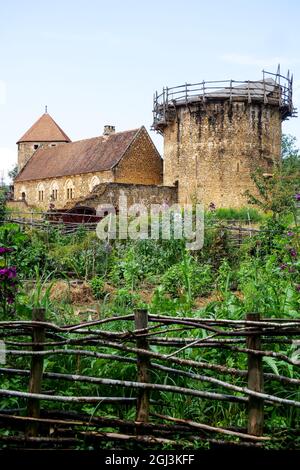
(143, 364)
(36, 372)
(255, 382)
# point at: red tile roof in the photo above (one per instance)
(45, 129)
(84, 156)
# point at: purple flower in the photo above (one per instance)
(10, 299)
(212, 206)
(10, 273)
(5, 250)
(293, 252)
(290, 234)
(283, 266)
(297, 197)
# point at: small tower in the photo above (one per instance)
(45, 132)
(217, 133)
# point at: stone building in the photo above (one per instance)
(53, 170)
(217, 133)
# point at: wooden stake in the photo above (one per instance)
(255, 383)
(143, 364)
(36, 372)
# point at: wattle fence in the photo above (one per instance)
(168, 359)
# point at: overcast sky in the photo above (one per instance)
(99, 62)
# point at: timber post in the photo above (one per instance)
(36, 372)
(255, 382)
(143, 364)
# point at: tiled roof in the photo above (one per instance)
(45, 129)
(84, 156)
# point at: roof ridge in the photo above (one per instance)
(105, 137)
(82, 156)
(27, 137)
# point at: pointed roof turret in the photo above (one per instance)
(45, 129)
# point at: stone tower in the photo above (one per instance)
(44, 132)
(217, 133)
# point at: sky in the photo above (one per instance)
(99, 62)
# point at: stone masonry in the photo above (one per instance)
(212, 149)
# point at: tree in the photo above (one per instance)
(290, 154)
(13, 172)
(276, 194)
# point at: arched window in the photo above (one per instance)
(41, 192)
(54, 191)
(70, 189)
(23, 193)
(95, 180)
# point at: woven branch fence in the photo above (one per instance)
(157, 347)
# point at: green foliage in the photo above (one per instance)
(267, 289)
(126, 301)
(290, 153)
(245, 214)
(29, 253)
(2, 204)
(97, 285)
(261, 276)
(83, 256)
(132, 263)
(188, 278)
(276, 193)
(13, 172)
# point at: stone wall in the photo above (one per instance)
(212, 149)
(141, 164)
(18, 207)
(81, 186)
(109, 194)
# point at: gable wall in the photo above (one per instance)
(141, 163)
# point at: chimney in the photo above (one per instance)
(108, 130)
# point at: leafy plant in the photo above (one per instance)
(188, 278)
(97, 285)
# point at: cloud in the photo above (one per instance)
(2, 92)
(241, 59)
(8, 158)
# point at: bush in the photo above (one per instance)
(125, 301)
(188, 278)
(97, 286)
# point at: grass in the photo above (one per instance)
(245, 214)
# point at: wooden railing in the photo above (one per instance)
(278, 92)
(159, 348)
